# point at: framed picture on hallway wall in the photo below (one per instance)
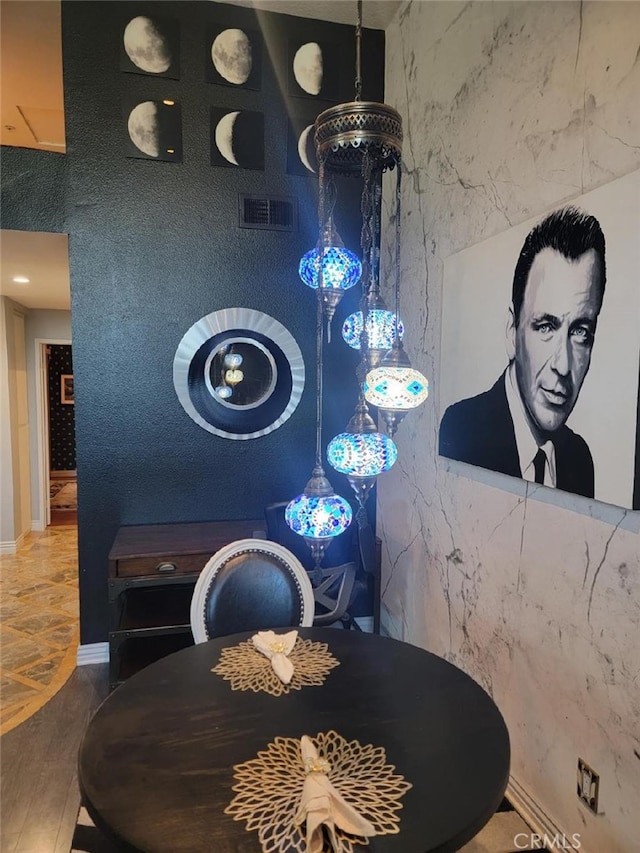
(66, 389)
(545, 385)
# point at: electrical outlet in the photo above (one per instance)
(588, 786)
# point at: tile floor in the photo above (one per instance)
(38, 621)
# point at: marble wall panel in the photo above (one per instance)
(509, 109)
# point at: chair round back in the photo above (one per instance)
(250, 584)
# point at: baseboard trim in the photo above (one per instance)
(534, 816)
(63, 475)
(11, 546)
(92, 653)
(37, 525)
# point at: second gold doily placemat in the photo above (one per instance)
(247, 669)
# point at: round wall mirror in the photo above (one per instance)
(238, 373)
(241, 372)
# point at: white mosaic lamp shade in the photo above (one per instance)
(224, 392)
(398, 388)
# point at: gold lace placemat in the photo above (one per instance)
(269, 789)
(247, 669)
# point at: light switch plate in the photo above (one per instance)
(588, 785)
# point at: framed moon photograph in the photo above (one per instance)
(151, 46)
(237, 138)
(153, 129)
(301, 149)
(233, 57)
(313, 70)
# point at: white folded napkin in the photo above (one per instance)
(322, 805)
(277, 647)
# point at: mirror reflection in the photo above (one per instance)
(241, 372)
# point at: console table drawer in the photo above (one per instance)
(162, 567)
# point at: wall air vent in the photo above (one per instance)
(275, 213)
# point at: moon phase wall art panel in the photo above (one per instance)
(237, 138)
(151, 46)
(233, 57)
(301, 149)
(313, 70)
(153, 129)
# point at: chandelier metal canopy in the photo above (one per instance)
(345, 131)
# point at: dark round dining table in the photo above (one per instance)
(156, 761)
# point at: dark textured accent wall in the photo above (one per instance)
(62, 441)
(33, 190)
(154, 246)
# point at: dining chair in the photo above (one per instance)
(333, 591)
(250, 584)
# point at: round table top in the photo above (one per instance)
(156, 762)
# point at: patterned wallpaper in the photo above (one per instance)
(62, 434)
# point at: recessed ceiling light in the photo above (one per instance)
(20, 279)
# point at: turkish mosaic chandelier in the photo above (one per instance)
(363, 139)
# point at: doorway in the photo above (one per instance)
(34, 282)
(56, 433)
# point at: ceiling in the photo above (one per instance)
(31, 102)
(32, 116)
(44, 260)
(376, 14)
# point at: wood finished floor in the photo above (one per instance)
(39, 615)
(39, 796)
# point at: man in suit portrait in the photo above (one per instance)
(518, 427)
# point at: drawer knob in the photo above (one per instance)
(165, 568)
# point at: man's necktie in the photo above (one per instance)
(539, 461)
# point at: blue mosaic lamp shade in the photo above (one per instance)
(224, 391)
(395, 387)
(362, 454)
(318, 517)
(341, 268)
(381, 329)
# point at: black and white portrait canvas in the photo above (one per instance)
(541, 348)
(301, 148)
(153, 129)
(233, 57)
(237, 138)
(151, 45)
(314, 70)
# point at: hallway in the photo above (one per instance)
(39, 621)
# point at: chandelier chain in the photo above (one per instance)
(397, 246)
(358, 81)
(366, 243)
(320, 315)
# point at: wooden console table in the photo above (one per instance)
(153, 569)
